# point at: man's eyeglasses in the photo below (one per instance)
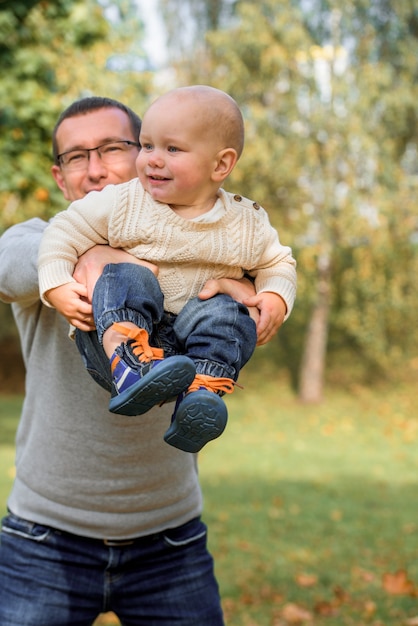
(110, 152)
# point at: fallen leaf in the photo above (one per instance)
(341, 596)
(370, 608)
(325, 608)
(364, 575)
(306, 580)
(397, 584)
(294, 614)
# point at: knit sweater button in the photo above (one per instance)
(238, 198)
(256, 205)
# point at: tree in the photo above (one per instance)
(52, 54)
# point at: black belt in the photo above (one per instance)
(116, 543)
(145, 540)
(120, 543)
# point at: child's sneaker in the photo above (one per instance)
(200, 414)
(142, 377)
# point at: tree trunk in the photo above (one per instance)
(311, 374)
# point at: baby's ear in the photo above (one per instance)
(225, 163)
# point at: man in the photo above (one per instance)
(104, 515)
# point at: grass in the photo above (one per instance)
(312, 510)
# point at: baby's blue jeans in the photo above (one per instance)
(217, 334)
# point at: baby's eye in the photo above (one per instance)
(146, 146)
(173, 149)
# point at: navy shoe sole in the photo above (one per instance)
(167, 379)
(200, 417)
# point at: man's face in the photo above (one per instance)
(89, 131)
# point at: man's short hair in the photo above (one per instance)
(87, 105)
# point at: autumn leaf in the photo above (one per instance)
(370, 609)
(397, 584)
(306, 580)
(294, 614)
(325, 608)
(341, 596)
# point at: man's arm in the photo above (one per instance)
(19, 247)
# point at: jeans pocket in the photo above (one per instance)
(189, 533)
(18, 527)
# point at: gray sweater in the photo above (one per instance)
(80, 468)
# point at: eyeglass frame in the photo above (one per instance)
(129, 142)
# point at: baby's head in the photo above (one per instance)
(215, 114)
(191, 139)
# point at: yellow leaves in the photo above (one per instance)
(327, 52)
(42, 194)
(17, 134)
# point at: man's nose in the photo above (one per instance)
(95, 166)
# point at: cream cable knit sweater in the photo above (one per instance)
(187, 253)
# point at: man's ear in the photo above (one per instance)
(59, 179)
(225, 163)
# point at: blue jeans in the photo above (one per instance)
(52, 578)
(217, 334)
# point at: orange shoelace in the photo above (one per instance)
(140, 345)
(212, 384)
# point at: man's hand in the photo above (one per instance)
(272, 309)
(70, 301)
(266, 309)
(90, 265)
(239, 290)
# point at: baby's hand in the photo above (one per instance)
(272, 310)
(70, 301)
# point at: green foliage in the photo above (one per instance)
(55, 53)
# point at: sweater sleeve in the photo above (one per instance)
(276, 267)
(71, 233)
(19, 247)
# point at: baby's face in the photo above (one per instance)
(178, 153)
